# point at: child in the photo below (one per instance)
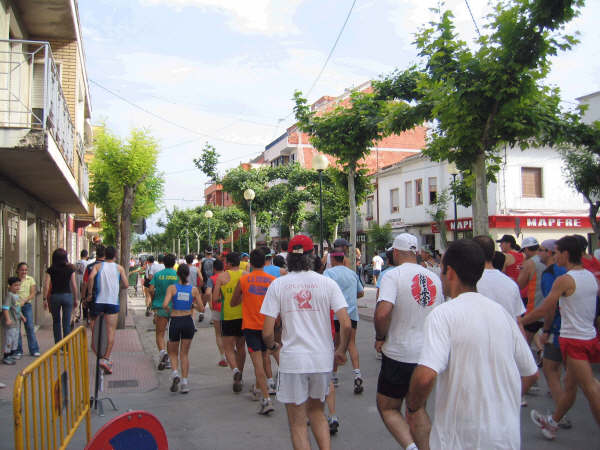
(11, 310)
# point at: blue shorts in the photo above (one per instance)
(97, 308)
(376, 272)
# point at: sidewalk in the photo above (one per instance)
(366, 304)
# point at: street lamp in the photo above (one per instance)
(320, 163)
(240, 225)
(208, 214)
(453, 170)
(249, 195)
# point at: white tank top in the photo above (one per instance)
(578, 310)
(108, 282)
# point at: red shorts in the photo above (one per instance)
(579, 349)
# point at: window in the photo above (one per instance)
(395, 200)
(432, 190)
(369, 208)
(531, 179)
(408, 194)
(418, 192)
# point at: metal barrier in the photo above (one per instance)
(51, 395)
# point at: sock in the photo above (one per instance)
(356, 372)
(175, 373)
(184, 380)
(235, 370)
(162, 352)
(270, 381)
(412, 446)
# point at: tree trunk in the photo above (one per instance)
(594, 207)
(352, 198)
(252, 231)
(335, 232)
(480, 203)
(118, 236)
(443, 233)
(126, 209)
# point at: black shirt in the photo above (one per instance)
(60, 277)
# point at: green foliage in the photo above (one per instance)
(439, 212)
(379, 237)
(478, 100)
(119, 164)
(207, 163)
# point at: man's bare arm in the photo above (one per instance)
(525, 274)
(548, 306)
(236, 298)
(345, 327)
(268, 331)
(421, 384)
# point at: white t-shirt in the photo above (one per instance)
(155, 268)
(377, 262)
(502, 289)
(480, 355)
(304, 299)
(414, 291)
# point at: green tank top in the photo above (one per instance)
(229, 312)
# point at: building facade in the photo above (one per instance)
(45, 135)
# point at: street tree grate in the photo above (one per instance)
(123, 383)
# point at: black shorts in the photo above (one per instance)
(181, 327)
(394, 377)
(254, 341)
(231, 327)
(552, 352)
(534, 327)
(336, 324)
(146, 282)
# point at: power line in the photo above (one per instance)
(220, 162)
(472, 17)
(164, 119)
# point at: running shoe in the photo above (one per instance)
(175, 382)
(266, 407)
(2, 385)
(162, 363)
(358, 385)
(254, 393)
(200, 317)
(542, 421)
(36, 354)
(17, 356)
(272, 388)
(565, 423)
(106, 366)
(335, 380)
(237, 382)
(184, 388)
(147, 311)
(539, 360)
(168, 364)
(222, 363)
(9, 361)
(334, 424)
(523, 402)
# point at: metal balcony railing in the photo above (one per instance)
(83, 169)
(31, 95)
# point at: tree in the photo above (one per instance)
(348, 133)
(208, 161)
(438, 213)
(379, 236)
(127, 186)
(478, 100)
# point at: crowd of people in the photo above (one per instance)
(477, 323)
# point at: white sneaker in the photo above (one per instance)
(254, 393)
(266, 407)
(184, 387)
(272, 389)
(542, 421)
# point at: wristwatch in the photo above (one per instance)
(273, 347)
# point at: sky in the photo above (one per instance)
(225, 71)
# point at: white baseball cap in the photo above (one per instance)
(529, 242)
(405, 242)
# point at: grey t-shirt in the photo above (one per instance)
(11, 303)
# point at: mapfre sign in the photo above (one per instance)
(536, 222)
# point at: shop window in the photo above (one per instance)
(531, 180)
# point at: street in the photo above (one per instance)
(212, 417)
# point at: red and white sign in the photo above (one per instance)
(535, 222)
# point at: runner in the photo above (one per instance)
(245, 262)
(180, 299)
(576, 293)
(216, 309)
(231, 325)
(352, 288)
(158, 289)
(477, 395)
(513, 258)
(408, 293)
(377, 264)
(304, 298)
(111, 278)
(80, 267)
(250, 292)
(269, 267)
(88, 293)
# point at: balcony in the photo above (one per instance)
(37, 136)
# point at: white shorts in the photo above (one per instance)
(11, 339)
(297, 387)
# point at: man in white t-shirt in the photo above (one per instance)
(495, 285)
(474, 351)
(408, 293)
(303, 299)
(377, 264)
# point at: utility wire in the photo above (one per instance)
(473, 18)
(164, 119)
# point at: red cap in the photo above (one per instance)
(302, 242)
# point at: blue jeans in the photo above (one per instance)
(32, 343)
(60, 302)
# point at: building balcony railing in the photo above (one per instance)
(31, 95)
(83, 169)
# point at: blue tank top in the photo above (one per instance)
(183, 299)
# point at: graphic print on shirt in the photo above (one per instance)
(423, 290)
(303, 298)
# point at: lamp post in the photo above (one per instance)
(240, 225)
(453, 170)
(320, 163)
(208, 214)
(249, 195)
